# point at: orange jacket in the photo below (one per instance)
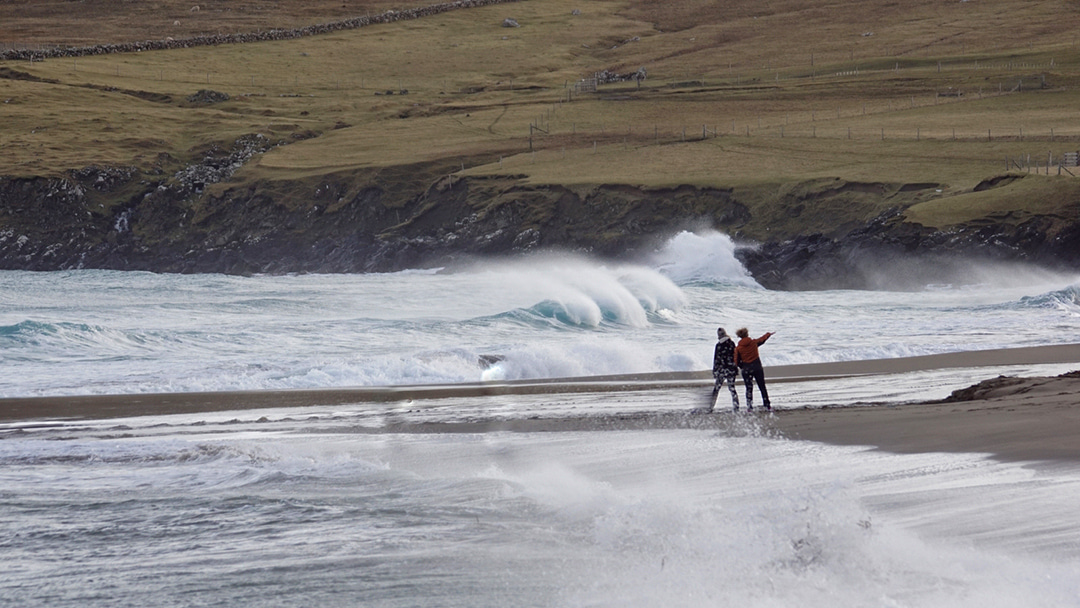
(746, 351)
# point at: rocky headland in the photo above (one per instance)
(169, 219)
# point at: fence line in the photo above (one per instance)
(702, 132)
(1029, 164)
(1063, 164)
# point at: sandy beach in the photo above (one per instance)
(1009, 418)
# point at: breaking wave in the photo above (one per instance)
(708, 257)
(579, 292)
(1065, 300)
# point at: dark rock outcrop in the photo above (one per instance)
(205, 97)
(406, 217)
(901, 255)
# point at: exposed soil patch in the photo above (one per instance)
(994, 182)
(11, 74)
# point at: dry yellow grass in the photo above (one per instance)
(49, 128)
(740, 160)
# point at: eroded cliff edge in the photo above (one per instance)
(827, 233)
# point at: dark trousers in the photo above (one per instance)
(751, 373)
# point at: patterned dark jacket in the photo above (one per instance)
(724, 359)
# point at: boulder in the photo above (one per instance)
(207, 97)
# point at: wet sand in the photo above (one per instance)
(1009, 418)
(1013, 419)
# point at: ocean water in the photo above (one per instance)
(90, 332)
(322, 506)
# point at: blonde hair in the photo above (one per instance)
(742, 332)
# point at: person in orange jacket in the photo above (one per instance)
(749, 363)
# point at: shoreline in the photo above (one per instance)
(75, 407)
(1010, 418)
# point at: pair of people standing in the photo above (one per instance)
(730, 358)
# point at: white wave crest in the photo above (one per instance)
(709, 257)
(587, 292)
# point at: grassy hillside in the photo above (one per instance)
(740, 94)
(45, 23)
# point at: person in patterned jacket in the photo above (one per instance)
(724, 368)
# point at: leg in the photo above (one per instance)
(748, 381)
(715, 391)
(734, 394)
(759, 377)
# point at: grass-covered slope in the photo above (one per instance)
(814, 117)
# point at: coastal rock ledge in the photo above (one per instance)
(188, 221)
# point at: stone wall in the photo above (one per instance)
(311, 30)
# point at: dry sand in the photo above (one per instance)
(1010, 418)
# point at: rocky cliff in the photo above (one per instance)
(365, 221)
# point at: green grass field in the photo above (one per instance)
(738, 94)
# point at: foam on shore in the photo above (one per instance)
(132, 405)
